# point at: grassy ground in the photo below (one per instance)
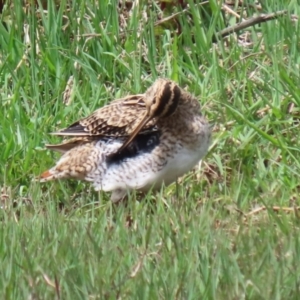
(62, 240)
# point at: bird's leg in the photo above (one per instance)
(118, 195)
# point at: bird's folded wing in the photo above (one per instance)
(119, 118)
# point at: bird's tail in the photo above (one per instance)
(77, 162)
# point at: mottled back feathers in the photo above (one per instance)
(119, 118)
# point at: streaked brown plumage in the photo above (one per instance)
(118, 118)
(135, 142)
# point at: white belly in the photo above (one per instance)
(181, 163)
(131, 175)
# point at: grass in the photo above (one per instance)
(62, 240)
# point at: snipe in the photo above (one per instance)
(137, 142)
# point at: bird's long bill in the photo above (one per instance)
(135, 132)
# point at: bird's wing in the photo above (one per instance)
(119, 118)
(67, 145)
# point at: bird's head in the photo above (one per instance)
(162, 98)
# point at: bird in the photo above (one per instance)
(138, 142)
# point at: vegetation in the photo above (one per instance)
(230, 231)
